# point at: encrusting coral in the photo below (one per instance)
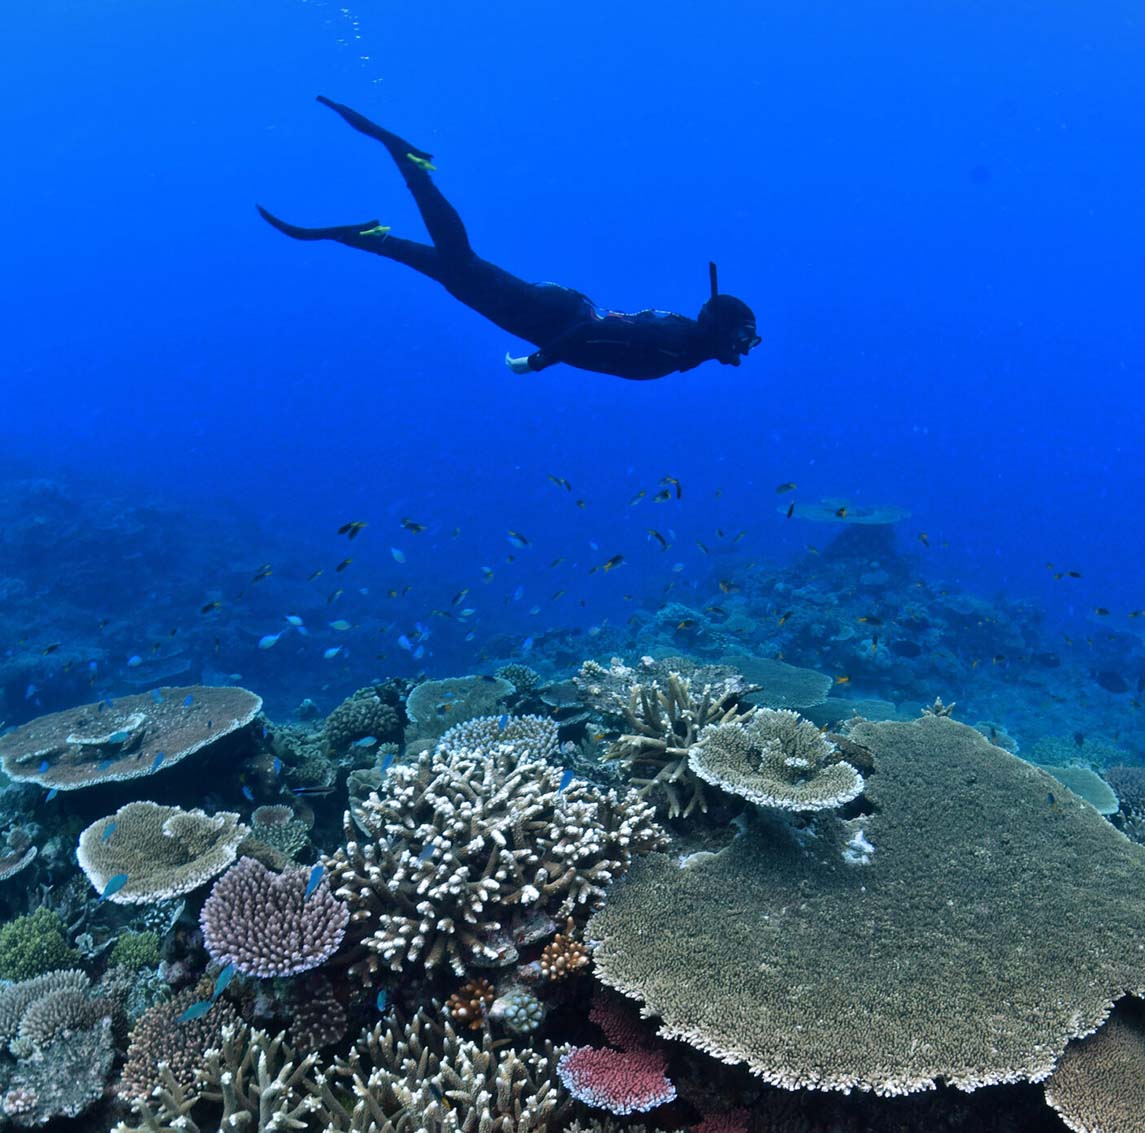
(465, 843)
(775, 758)
(955, 954)
(163, 851)
(127, 738)
(267, 924)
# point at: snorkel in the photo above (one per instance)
(729, 322)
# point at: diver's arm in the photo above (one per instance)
(555, 351)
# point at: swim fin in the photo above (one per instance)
(397, 147)
(338, 232)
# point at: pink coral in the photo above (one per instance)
(619, 1020)
(620, 1081)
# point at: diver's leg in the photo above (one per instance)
(441, 219)
(369, 237)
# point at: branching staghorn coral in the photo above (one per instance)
(665, 721)
(463, 845)
(418, 1077)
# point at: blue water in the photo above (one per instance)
(935, 213)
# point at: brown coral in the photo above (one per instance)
(470, 1002)
(564, 955)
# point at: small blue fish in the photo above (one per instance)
(159, 757)
(399, 555)
(265, 731)
(382, 1000)
(51, 794)
(118, 737)
(188, 700)
(248, 794)
(387, 762)
(108, 831)
(527, 645)
(104, 764)
(316, 873)
(426, 854)
(113, 886)
(44, 765)
(30, 691)
(294, 620)
(502, 721)
(269, 641)
(276, 763)
(221, 981)
(134, 661)
(156, 696)
(331, 653)
(365, 741)
(195, 1011)
(566, 779)
(405, 643)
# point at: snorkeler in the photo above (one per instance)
(564, 324)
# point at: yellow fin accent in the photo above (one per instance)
(421, 163)
(377, 230)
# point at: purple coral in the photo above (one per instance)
(264, 924)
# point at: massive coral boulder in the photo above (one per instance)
(997, 917)
(126, 738)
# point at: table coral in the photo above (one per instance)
(991, 927)
(775, 758)
(128, 738)
(162, 850)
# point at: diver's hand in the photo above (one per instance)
(517, 365)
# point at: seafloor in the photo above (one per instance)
(738, 864)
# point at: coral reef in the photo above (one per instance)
(775, 758)
(128, 738)
(266, 924)
(958, 954)
(461, 845)
(163, 851)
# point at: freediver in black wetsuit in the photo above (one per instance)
(564, 324)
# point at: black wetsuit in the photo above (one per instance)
(564, 324)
